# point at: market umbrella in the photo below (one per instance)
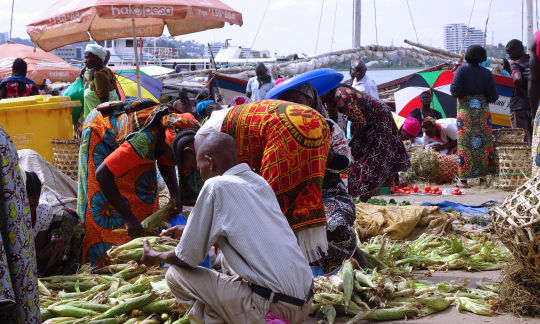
(72, 21)
(41, 65)
(127, 84)
(437, 82)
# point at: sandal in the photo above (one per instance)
(462, 185)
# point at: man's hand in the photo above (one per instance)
(149, 256)
(174, 209)
(438, 147)
(134, 227)
(174, 232)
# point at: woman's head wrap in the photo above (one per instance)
(175, 123)
(411, 126)
(97, 50)
(200, 108)
(278, 81)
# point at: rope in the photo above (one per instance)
(376, 31)
(412, 20)
(468, 26)
(319, 29)
(257, 33)
(334, 28)
(487, 19)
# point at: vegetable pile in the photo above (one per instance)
(435, 253)
(382, 202)
(376, 297)
(116, 293)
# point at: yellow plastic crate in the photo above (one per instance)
(32, 122)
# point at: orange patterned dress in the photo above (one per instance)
(126, 144)
(287, 144)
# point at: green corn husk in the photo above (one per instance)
(128, 306)
(436, 303)
(71, 311)
(138, 243)
(330, 312)
(155, 220)
(328, 299)
(348, 283)
(160, 306)
(88, 305)
(357, 300)
(62, 320)
(134, 320)
(386, 314)
(43, 290)
(112, 268)
(476, 306)
(45, 314)
(363, 279)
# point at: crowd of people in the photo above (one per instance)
(263, 176)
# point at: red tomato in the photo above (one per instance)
(438, 192)
(427, 189)
(407, 192)
(415, 187)
(435, 188)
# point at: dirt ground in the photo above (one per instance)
(472, 196)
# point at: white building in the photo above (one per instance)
(215, 49)
(69, 52)
(456, 37)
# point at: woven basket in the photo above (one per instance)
(514, 165)
(517, 223)
(66, 157)
(508, 136)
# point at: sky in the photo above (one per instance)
(292, 26)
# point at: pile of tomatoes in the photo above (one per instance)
(415, 189)
(457, 192)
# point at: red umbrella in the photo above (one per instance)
(41, 65)
(72, 21)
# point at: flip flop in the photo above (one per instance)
(462, 185)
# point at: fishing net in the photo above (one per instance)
(431, 166)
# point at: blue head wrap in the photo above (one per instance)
(200, 108)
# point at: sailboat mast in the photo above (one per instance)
(357, 18)
(530, 38)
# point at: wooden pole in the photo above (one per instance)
(530, 38)
(214, 66)
(11, 22)
(138, 69)
(357, 25)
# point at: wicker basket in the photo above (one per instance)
(508, 136)
(66, 157)
(514, 165)
(517, 223)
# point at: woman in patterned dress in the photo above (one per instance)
(474, 87)
(120, 145)
(18, 269)
(376, 146)
(287, 144)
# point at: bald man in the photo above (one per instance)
(238, 210)
(361, 82)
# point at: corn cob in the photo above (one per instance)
(128, 306)
(58, 320)
(159, 306)
(330, 312)
(348, 283)
(386, 314)
(88, 305)
(66, 310)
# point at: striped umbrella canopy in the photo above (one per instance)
(126, 80)
(436, 82)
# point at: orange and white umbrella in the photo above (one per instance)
(41, 65)
(72, 21)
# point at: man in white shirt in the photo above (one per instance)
(361, 82)
(238, 210)
(259, 85)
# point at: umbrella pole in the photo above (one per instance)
(138, 71)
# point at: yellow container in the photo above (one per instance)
(32, 122)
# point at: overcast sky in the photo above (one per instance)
(292, 25)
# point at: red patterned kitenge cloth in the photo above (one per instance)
(287, 144)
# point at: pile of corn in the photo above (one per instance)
(376, 297)
(434, 252)
(116, 293)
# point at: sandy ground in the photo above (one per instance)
(472, 196)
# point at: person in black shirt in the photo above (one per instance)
(520, 110)
(426, 110)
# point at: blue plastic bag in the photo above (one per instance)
(181, 220)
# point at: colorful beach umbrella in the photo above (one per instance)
(437, 82)
(126, 80)
(41, 65)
